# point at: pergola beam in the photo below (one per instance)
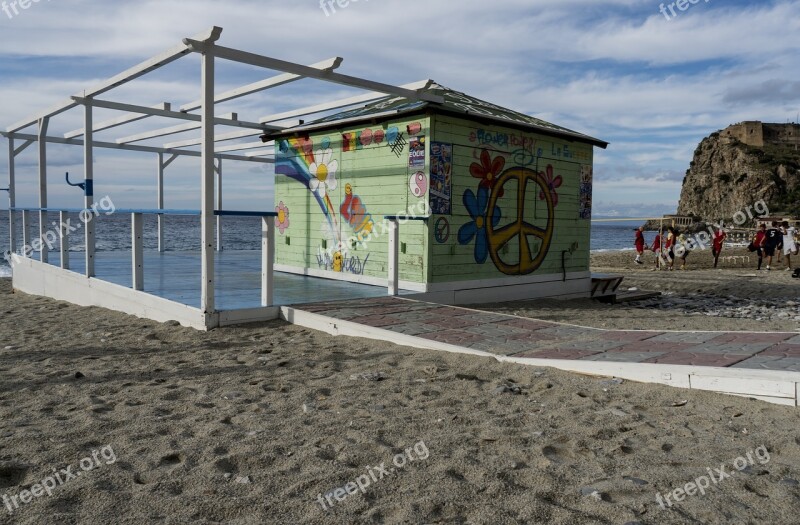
(279, 80)
(42, 132)
(217, 138)
(162, 59)
(159, 133)
(252, 154)
(208, 280)
(23, 147)
(163, 132)
(133, 147)
(119, 121)
(121, 106)
(12, 202)
(89, 233)
(239, 147)
(253, 59)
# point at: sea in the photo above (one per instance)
(239, 233)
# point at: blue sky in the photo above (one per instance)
(617, 70)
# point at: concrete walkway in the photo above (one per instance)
(771, 360)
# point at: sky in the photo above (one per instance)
(625, 71)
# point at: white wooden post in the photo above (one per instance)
(267, 259)
(12, 234)
(219, 204)
(137, 251)
(26, 233)
(394, 246)
(88, 179)
(63, 235)
(160, 201)
(207, 181)
(42, 136)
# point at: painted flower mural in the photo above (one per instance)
(476, 229)
(552, 183)
(323, 172)
(282, 221)
(488, 171)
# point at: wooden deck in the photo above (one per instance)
(176, 276)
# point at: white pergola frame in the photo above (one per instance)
(211, 156)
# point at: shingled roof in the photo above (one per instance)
(456, 103)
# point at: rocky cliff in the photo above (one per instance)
(727, 175)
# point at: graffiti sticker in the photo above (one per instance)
(397, 141)
(418, 184)
(416, 152)
(441, 184)
(442, 230)
(585, 198)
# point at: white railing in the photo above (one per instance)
(137, 242)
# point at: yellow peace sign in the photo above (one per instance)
(499, 237)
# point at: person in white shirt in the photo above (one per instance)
(789, 244)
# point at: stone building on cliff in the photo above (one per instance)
(755, 133)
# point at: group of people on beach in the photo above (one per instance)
(779, 239)
(670, 245)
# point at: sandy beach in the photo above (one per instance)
(257, 424)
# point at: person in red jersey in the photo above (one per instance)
(757, 244)
(639, 244)
(716, 247)
(657, 250)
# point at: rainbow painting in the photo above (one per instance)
(294, 159)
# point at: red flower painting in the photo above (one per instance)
(552, 184)
(488, 171)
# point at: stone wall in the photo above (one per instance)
(757, 134)
(749, 132)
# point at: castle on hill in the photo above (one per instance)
(755, 133)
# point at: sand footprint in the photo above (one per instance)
(12, 474)
(166, 464)
(171, 461)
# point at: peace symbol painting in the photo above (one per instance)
(485, 229)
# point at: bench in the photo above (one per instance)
(605, 285)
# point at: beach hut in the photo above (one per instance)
(463, 201)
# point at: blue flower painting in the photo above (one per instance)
(476, 207)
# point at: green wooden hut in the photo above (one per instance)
(491, 204)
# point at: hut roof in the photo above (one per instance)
(455, 102)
